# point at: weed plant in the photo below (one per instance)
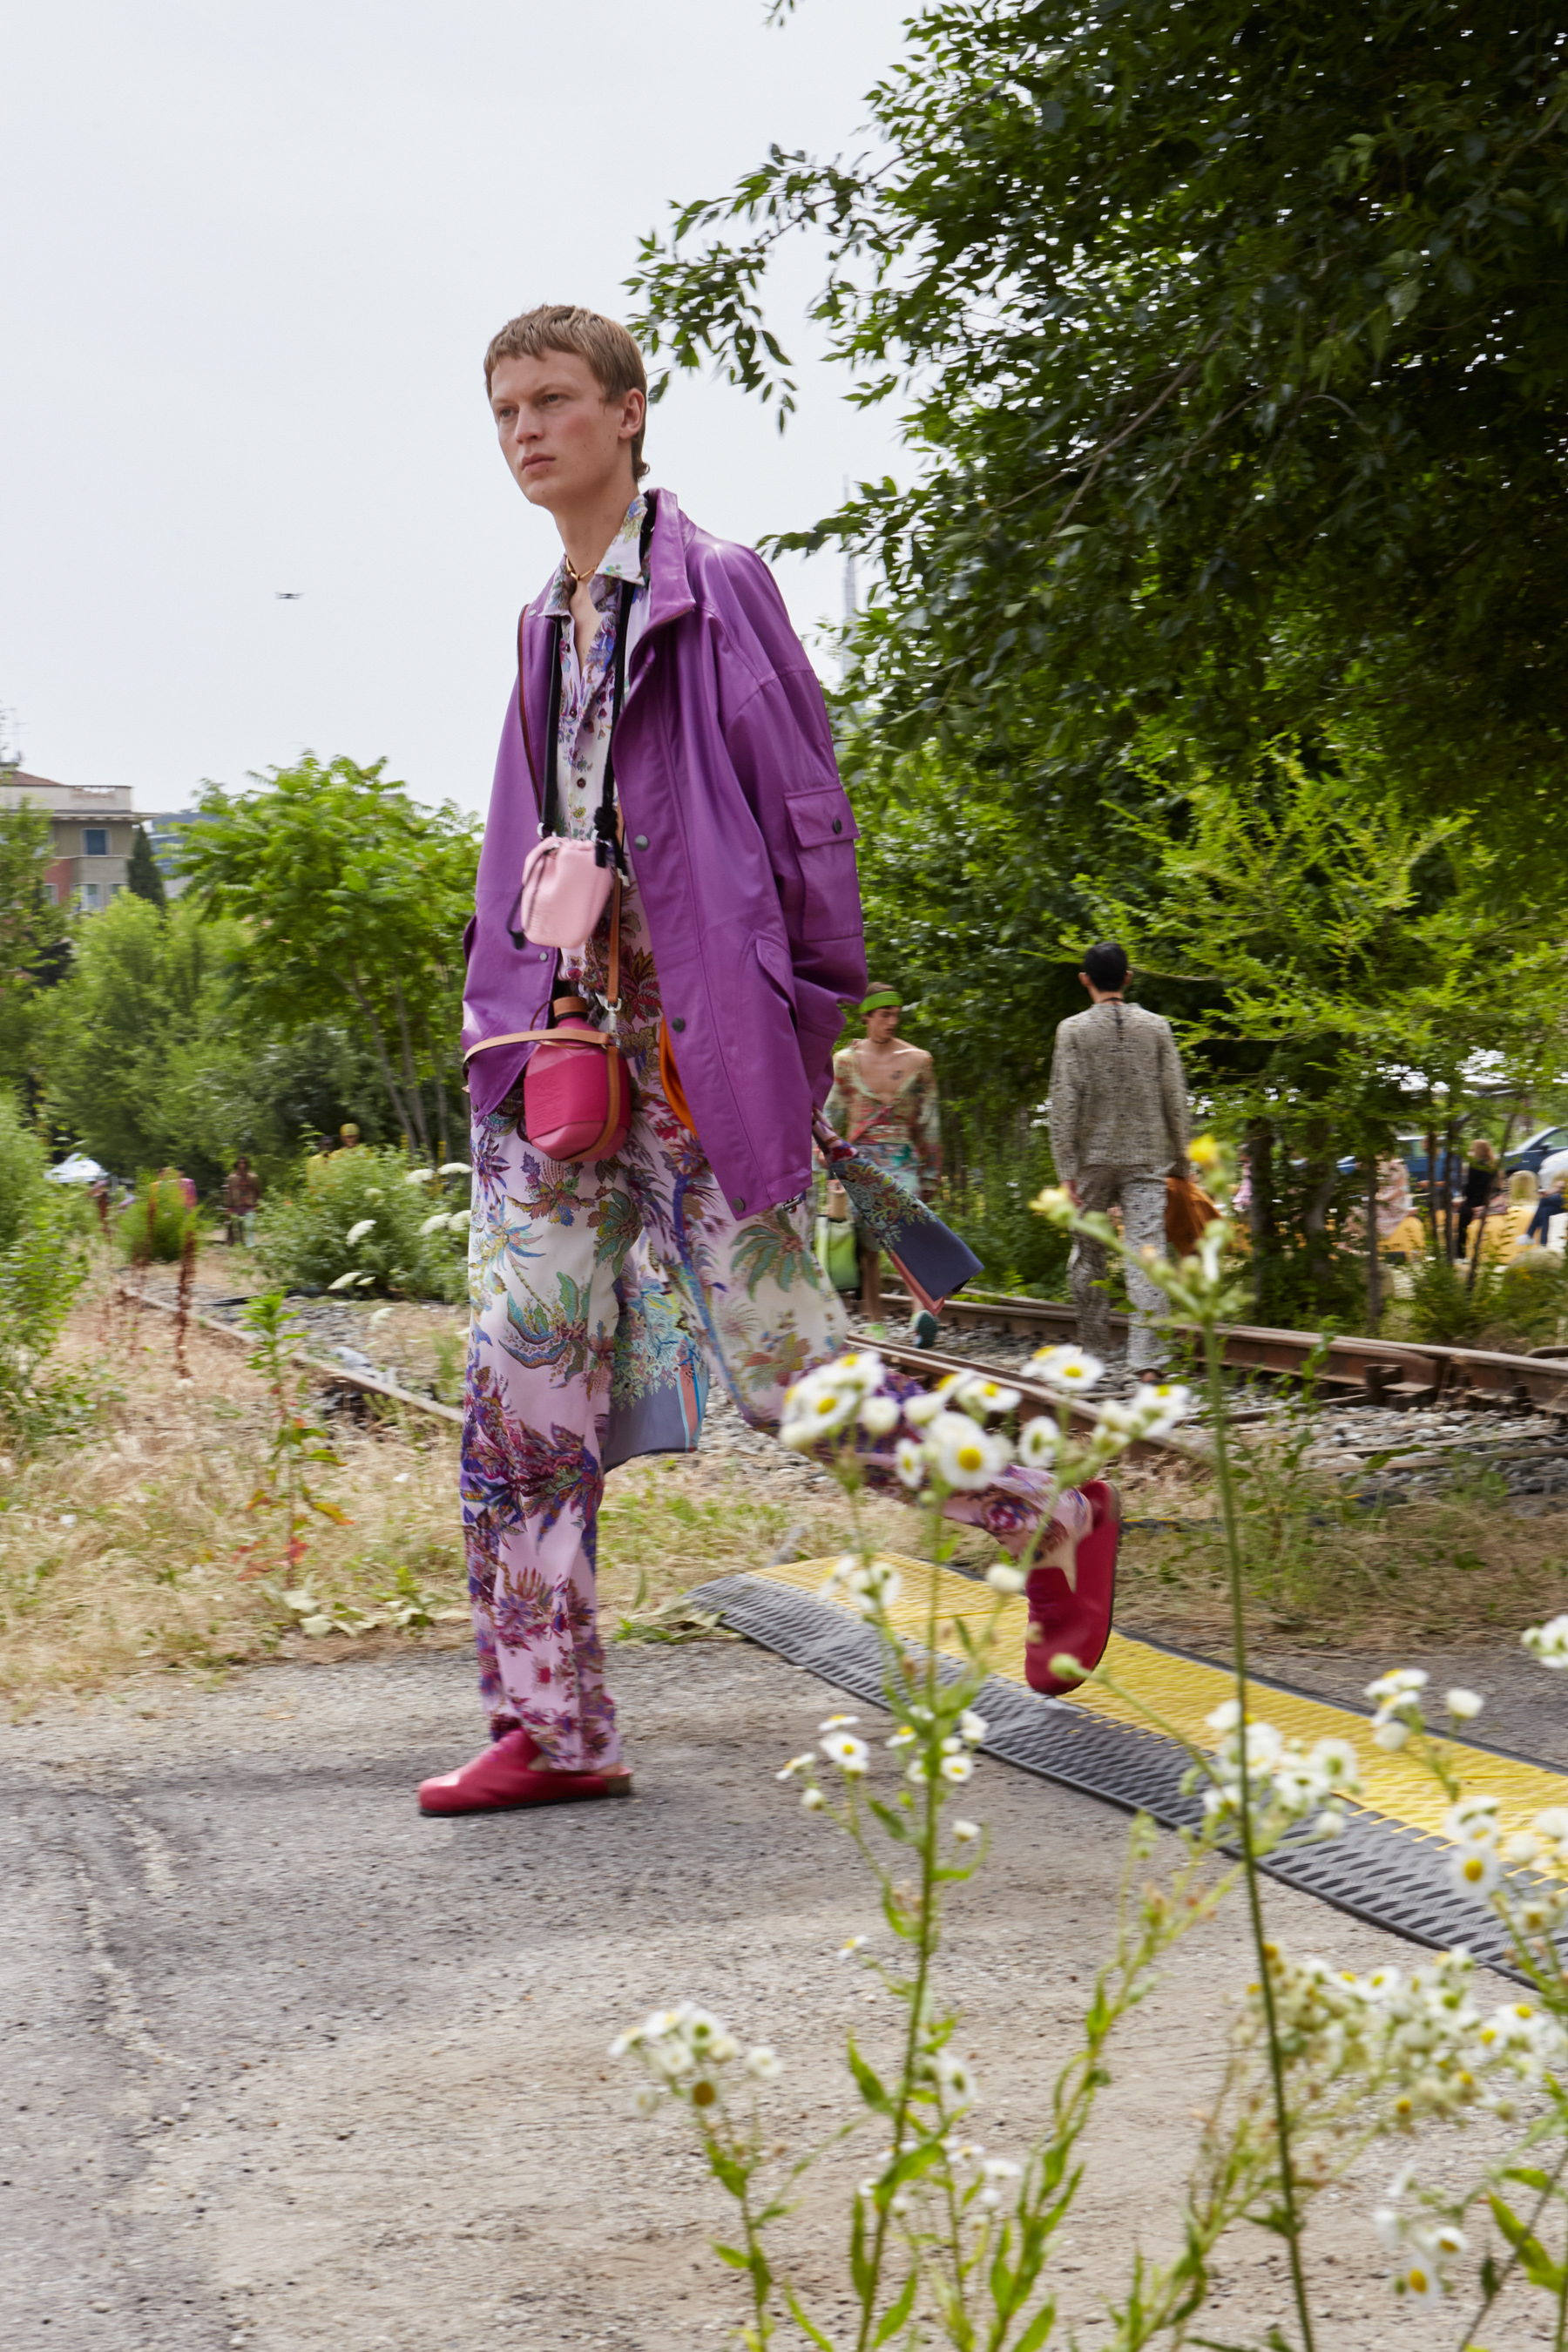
(153, 1228)
(1511, 1307)
(366, 1221)
(43, 1264)
(947, 2242)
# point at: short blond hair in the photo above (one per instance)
(603, 342)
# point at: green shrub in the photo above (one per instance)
(1518, 1305)
(302, 1236)
(154, 1226)
(43, 1262)
(22, 1165)
(986, 1201)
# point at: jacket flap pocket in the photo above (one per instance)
(820, 819)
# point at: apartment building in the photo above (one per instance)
(93, 830)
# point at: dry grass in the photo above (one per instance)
(125, 1551)
(1324, 1573)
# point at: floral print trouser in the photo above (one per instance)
(605, 1298)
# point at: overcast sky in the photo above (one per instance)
(252, 255)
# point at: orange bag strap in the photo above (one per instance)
(669, 1079)
(545, 1037)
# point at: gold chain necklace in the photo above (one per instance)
(577, 578)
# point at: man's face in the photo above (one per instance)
(565, 443)
(882, 1024)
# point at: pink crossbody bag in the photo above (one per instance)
(577, 1087)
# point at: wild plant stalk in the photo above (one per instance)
(945, 2244)
(183, 1296)
(296, 1438)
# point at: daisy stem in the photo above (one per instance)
(1225, 1482)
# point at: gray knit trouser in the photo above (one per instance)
(1143, 1200)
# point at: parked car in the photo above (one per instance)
(1412, 1149)
(1539, 1147)
(77, 1168)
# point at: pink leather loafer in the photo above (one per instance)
(1065, 1622)
(507, 1776)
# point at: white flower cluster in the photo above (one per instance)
(1549, 1643)
(1420, 2245)
(1398, 1697)
(823, 1403)
(840, 1745)
(945, 1433)
(1421, 2034)
(1288, 1782)
(683, 2049)
(870, 1587)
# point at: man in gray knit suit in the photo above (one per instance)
(1119, 1128)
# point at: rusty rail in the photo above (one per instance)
(1383, 1371)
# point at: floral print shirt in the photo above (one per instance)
(587, 691)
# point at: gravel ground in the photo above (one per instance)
(289, 2066)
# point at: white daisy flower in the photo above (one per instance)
(909, 1462)
(957, 1768)
(963, 1454)
(965, 1832)
(1549, 1643)
(1475, 1868)
(1003, 1576)
(1071, 1369)
(850, 1943)
(851, 1755)
(764, 2064)
(1037, 1442)
(1464, 1705)
(880, 1416)
(919, 1409)
(796, 1764)
(971, 1727)
(1419, 2281)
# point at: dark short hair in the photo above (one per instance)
(1106, 963)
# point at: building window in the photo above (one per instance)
(95, 840)
(89, 894)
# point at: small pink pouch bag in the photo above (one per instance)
(565, 892)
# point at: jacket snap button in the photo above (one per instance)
(838, 825)
(639, 841)
(737, 1204)
(544, 955)
(676, 1023)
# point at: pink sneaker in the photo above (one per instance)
(1075, 1623)
(505, 1775)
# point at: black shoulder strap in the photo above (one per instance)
(606, 850)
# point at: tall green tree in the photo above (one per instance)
(34, 931)
(353, 900)
(143, 876)
(147, 1054)
(1232, 340)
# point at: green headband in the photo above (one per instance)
(879, 997)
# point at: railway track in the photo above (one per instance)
(1379, 1400)
(1392, 1373)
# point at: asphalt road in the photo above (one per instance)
(286, 2065)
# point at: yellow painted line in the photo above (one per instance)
(1183, 1692)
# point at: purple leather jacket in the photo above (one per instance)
(742, 840)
